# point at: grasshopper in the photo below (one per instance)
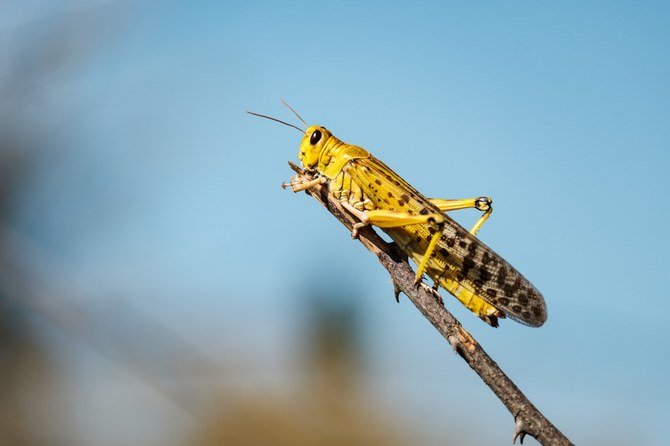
(443, 250)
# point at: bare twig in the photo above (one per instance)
(528, 420)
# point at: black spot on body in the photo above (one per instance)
(503, 300)
(468, 264)
(424, 211)
(404, 197)
(536, 310)
(390, 194)
(378, 181)
(485, 274)
(491, 292)
(502, 275)
(516, 308)
(451, 242)
(444, 252)
(526, 314)
(462, 244)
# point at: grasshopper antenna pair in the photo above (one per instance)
(279, 120)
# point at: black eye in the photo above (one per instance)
(316, 136)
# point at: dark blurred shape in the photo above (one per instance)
(333, 341)
(328, 407)
(25, 373)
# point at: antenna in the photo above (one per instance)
(276, 120)
(294, 112)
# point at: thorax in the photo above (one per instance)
(336, 155)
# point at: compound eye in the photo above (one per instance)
(316, 136)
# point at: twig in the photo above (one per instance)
(528, 420)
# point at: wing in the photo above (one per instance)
(461, 261)
(467, 261)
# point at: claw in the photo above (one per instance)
(292, 183)
(432, 291)
(355, 228)
(418, 279)
(428, 288)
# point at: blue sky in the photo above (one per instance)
(160, 186)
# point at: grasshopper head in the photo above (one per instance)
(312, 144)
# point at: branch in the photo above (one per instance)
(527, 418)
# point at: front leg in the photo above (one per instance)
(298, 183)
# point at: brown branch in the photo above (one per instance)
(527, 418)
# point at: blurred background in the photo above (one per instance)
(158, 287)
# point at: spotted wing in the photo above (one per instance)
(467, 261)
(460, 258)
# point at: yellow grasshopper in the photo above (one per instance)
(449, 254)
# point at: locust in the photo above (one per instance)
(451, 256)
